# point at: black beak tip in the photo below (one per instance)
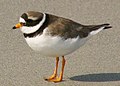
(14, 27)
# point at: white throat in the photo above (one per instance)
(32, 29)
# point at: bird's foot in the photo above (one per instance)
(55, 79)
(51, 77)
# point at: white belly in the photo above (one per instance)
(54, 46)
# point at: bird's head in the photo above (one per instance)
(30, 21)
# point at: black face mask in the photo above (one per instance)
(30, 22)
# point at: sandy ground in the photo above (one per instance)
(97, 63)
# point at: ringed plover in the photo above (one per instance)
(55, 36)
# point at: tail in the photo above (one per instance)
(94, 29)
(107, 26)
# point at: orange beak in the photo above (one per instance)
(19, 25)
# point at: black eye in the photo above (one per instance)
(22, 23)
(29, 20)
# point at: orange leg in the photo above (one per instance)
(54, 75)
(59, 79)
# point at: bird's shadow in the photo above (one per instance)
(100, 77)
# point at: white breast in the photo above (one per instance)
(54, 46)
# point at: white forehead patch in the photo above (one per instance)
(22, 20)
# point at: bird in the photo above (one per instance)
(55, 36)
